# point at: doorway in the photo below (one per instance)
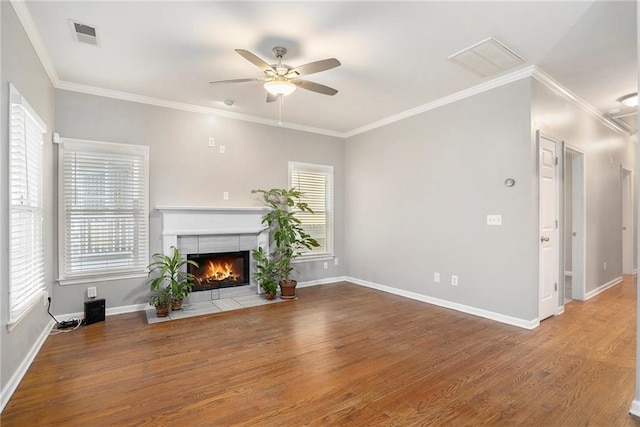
(627, 222)
(574, 235)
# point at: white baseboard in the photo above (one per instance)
(635, 408)
(127, 309)
(109, 311)
(321, 281)
(602, 288)
(514, 321)
(17, 376)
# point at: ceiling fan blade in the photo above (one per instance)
(271, 97)
(219, 82)
(316, 67)
(255, 60)
(315, 87)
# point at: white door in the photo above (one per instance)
(627, 222)
(548, 206)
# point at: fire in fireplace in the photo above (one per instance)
(220, 270)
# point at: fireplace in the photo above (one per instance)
(219, 270)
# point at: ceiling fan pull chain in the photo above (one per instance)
(280, 109)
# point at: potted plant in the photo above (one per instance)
(172, 277)
(265, 273)
(161, 300)
(288, 237)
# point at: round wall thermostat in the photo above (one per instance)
(509, 182)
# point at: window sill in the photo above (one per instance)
(320, 257)
(36, 298)
(102, 278)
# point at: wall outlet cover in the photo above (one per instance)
(494, 219)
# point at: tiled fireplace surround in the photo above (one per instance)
(201, 230)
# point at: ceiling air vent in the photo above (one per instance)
(85, 33)
(487, 58)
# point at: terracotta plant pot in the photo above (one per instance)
(176, 304)
(288, 289)
(270, 295)
(162, 310)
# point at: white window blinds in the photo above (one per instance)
(26, 257)
(103, 198)
(315, 182)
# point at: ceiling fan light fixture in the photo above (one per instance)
(630, 100)
(279, 87)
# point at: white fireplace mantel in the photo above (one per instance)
(202, 221)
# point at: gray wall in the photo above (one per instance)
(606, 152)
(184, 171)
(418, 192)
(22, 68)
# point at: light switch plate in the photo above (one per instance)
(494, 219)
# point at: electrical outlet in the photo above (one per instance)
(494, 219)
(605, 266)
(454, 280)
(326, 265)
(46, 298)
(335, 261)
(225, 195)
(92, 292)
(222, 149)
(436, 277)
(212, 142)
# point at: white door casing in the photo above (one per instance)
(548, 226)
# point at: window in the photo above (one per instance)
(315, 182)
(26, 247)
(103, 201)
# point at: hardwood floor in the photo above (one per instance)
(339, 355)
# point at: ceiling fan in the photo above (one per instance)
(281, 79)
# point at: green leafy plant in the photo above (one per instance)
(171, 276)
(266, 275)
(285, 230)
(161, 296)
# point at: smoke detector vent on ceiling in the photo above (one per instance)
(85, 33)
(487, 58)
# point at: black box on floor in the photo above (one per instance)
(94, 311)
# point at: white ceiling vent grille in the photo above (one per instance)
(487, 58)
(84, 33)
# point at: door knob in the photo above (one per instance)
(544, 239)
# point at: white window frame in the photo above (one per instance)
(66, 274)
(26, 187)
(327, 171)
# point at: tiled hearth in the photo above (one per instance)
(242, 298)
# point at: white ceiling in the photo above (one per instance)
(393, 54)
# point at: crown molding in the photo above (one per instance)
(466, 93)
(158, 102)
(29, 26)
(24, 16)
(565, 93)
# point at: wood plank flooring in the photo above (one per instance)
(340, 354)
